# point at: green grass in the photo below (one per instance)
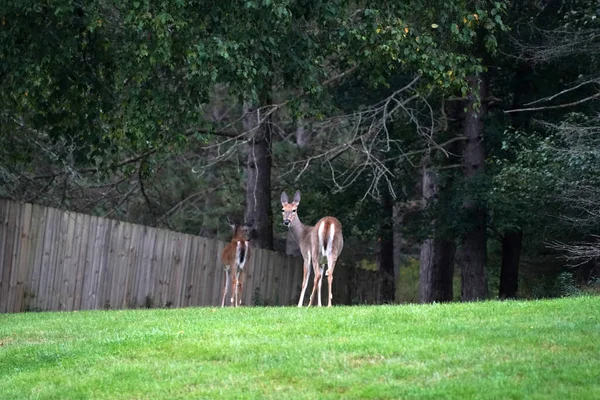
(497, 350)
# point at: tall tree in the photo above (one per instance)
(474, 241)
(512, 237)
(436, 268)
(512, 243)
(385, 254)
(258, 178)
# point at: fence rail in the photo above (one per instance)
(52, 259)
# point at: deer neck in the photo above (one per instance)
(238, 234)
(299, 230)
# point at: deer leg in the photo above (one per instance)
(225, 288)
(238, 289)
(317, 269)
(321, 268)
(304, 280)
(316, 284)
(331, 260)
(233, 286)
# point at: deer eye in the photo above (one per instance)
(294, 211)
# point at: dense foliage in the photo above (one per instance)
(139, 110)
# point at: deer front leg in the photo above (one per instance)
(225, 288)
(304, 279)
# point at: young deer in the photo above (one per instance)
(234, 258)
(324, 240)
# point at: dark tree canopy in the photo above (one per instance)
(459, 133)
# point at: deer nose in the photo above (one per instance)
(286, 222)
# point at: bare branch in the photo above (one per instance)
(580, 252)
(365, 143)
(337, 77)
(558, 44)
(123, 199)
(550, 98)
(594, 96)
(120, 164)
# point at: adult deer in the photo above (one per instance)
(322, 241)
(234, 258)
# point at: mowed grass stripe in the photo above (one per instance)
(538, 349)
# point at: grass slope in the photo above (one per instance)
(540, 349)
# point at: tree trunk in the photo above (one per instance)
(398, 215)
(258, 189)
(509, 274)
(512, 240)
(436, 271)
(436, 260)
(385, 259)
(473, 275)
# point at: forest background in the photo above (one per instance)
(458, 143)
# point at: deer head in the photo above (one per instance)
(289, 211)
(243, 230)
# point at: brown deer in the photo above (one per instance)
(234, 258)
(317, 243)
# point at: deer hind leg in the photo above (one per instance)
(238, 289)
(225, 287)
(317, 281)
(305, 280)
(233, 286)
(321, 269)
(331, 260)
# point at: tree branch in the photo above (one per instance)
(127, 161)
(120, 203)
(554, 107)
(550, 98)
(143, 190)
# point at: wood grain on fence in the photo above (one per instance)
(54, 260)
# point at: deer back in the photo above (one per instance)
(326, 236)
(230, 252)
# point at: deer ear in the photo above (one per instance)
(297, 197)
(284, 198)
(231, 223)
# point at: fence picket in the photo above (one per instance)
(23, 259)
(45, 270)
(146, 265)
(131, 270)
(4, 212)
(11, 283)
(86, 271)
(38, 222)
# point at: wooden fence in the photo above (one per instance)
(52, 259)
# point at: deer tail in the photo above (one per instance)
(330, 238)
(240, 253)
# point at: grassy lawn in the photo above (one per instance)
(539, 349)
